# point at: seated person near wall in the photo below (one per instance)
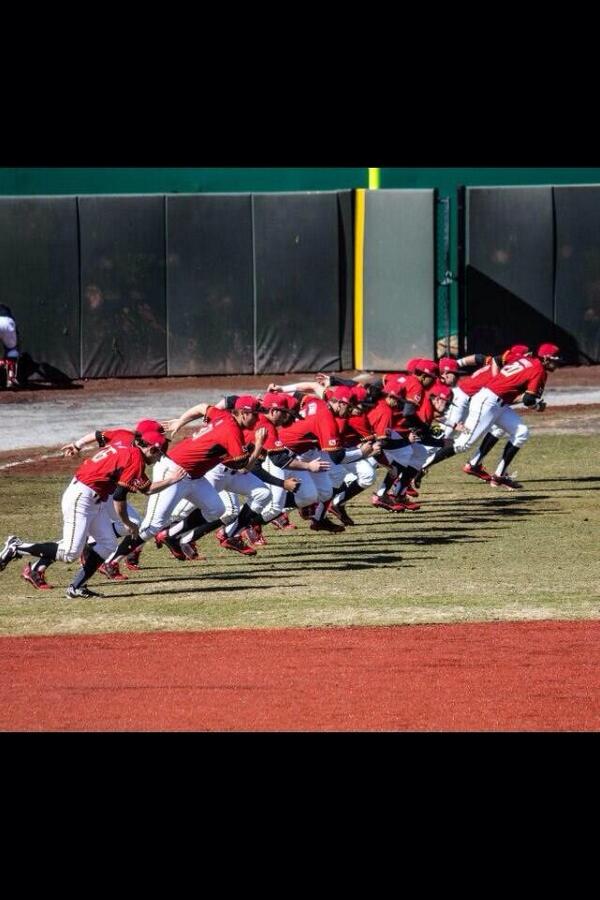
(9, 351)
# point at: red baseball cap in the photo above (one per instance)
(448, 364)
(275, 400)
(412, 364)
(248, 403)
(154, 438)
(149, 425)
(550, 350)
(441, 390)
(360, 394)
(340, 392)
(515, 352)
(427, 367)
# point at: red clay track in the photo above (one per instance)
(542, 676)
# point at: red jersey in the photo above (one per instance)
(473, 383)
(383, 419)
(319, 425)
(272, 440)
(357, 429)
(221, 441)
(526, 374)
(115, 464)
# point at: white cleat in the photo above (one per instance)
(9, 551)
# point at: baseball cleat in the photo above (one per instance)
(407, 504)
(9, 551)
(411, 492)
(172, 544)
(282, 523)
(82, 592)
(387, 502)
(253, 536)
(505, 481)
(326, 525)
(339, 511)
(112, 572)
(132, 560)
(36, 577)
(236, 543)
(478, 471)
(189, 550)
(305, 512)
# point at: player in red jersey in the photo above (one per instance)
(524, 378)
(397, 425)
(101, 438)
(112, 472)
(319, 424)
(221, 440)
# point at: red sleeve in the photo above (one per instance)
(537, 382)
(414, 391)
(381, 419)
(327, 431)
(133, 477)
(232, 439)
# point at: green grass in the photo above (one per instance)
(473, 553)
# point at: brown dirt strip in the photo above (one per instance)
(542, 676)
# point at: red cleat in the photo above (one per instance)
(253, 535)
(408, 504)
(132, 561)
(36, 578)
(171, 544)
(505, 481)
(112, 572)
(478, 471)
(282, 523)
(236, 543)
(387, 502)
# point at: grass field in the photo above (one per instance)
(473, 553)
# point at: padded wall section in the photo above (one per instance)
(39, 276)
(509, 268)
(399, 279)
(210, 294)
(577, 307)
(296, 246)
(123, 293)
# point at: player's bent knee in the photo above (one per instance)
(521, 435)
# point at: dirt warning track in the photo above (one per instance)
(542, 676)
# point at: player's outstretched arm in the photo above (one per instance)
(74, 447)
(194, 412)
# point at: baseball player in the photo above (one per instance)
(220, 441)
(285, 475)
(523, 378)
(319, 423)
(399, 428)
(114, 471)
(9, 340)
(102, 438)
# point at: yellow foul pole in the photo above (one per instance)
(374, 179)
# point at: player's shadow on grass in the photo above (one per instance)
(206, 589)
(584, 479)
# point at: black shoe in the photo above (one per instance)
(83, 592)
